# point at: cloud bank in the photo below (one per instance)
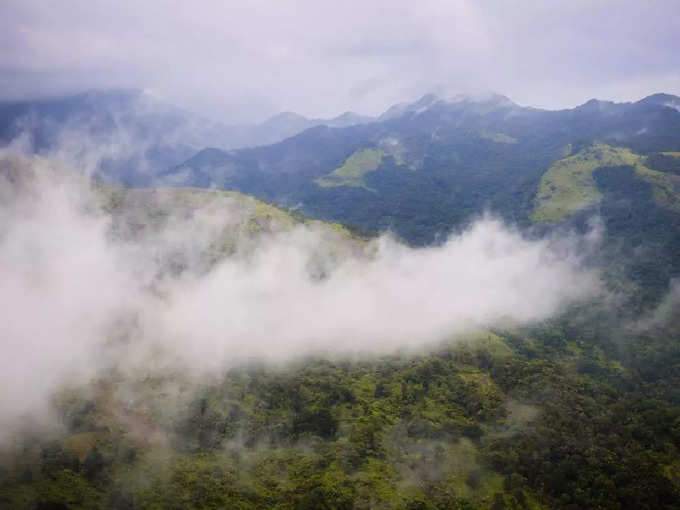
(79, 294)
(247, 60)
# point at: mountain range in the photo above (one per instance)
(433, 163)
(425, 169)
(420, 170)
(132, 135)
(579, 410)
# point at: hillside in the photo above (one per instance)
(305, 256)
(443, 161)
(554, 416)
(576, 409)
(429, 168)
(568, 186)
(130, 136)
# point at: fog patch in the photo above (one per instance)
(80, 295)
(665, 314)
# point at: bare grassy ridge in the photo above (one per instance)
(568, 186)
(351, 173)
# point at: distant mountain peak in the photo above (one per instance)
(488, 102)
(596, 105)
(419, 106)
(348, 116)
(286, 117)
(487, 99)
(500, 100)
(348, 119)
(424, 102)
(661, 99)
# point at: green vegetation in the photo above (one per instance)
(568, 186)
(470, 157)
(554, 416)
(580, 411)
(148, 210)
(666, 186)
(352, 172)
(157, 203)
(497, 137)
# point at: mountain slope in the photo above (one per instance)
(442, 161)
(578, 411)
(129, 136)
(568, 186)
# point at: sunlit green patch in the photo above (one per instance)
(672, 472)
(665, 186)
(568, 186)
(352, 172)
(489, 342)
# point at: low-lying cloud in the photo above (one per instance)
(79, 294)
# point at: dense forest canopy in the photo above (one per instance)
(513, 342)
(355, 255)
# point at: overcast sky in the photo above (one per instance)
(241, 61)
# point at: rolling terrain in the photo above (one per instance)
(441, 162)
(425, 169)
(577, 410)
(130, 136)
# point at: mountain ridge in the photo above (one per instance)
(150, 135)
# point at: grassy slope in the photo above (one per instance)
(568, 186)
(255, 215)
(352, 171)
(159, 202)
(221, 224)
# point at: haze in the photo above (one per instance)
(87, 301)
(245, 61)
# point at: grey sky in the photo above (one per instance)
(245, 60)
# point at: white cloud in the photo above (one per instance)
(76, 299)
(243, 60)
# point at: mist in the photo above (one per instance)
(244, 62)
(81, 294)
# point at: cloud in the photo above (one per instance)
(243, 61)
(81, 293)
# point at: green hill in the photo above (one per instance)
(568, 186)
(352, 171)
(581, 410)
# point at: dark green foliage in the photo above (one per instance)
(582, 411)
(664, 163)
(642, 236)
(448, 163)
(567, 414)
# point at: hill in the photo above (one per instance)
(579, 410)
(443, 161)
(129, 136)
(428, 168)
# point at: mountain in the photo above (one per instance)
(129, 136)
(555, 414)
(287, 124)
(580, 410)
(432, 164)
(424, 169)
